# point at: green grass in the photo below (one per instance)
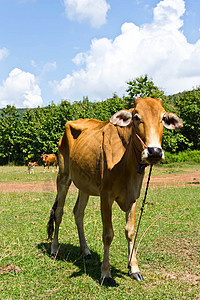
(168, 255)
(175, 168)
(20, 174)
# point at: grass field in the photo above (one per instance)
(168, 255)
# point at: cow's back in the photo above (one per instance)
(51, 158)
(78, 144)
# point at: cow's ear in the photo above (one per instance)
(121, 118)
(171, 121)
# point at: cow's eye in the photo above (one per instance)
(137, 118)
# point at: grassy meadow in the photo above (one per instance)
(168, 255)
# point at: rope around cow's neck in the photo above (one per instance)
(142, 209)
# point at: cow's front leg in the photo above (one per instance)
(130, 234)
(108, 234)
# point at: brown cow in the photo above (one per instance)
(31, 166)
(49, 159)
(102, 159)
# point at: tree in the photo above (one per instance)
(188, 104)
(143, 87)
(29, 143)
(26, 134)
(9, 120)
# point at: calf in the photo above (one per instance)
(31, 166)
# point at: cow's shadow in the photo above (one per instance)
(70, 253)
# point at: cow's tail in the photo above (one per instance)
(50, 224)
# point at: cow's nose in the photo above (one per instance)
(154, 153)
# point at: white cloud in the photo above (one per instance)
(159, 49)
(168, 13)
(47, 67)
(20, 89)
(50, 66)
(94, 11)
(3, 53)
(33, 63)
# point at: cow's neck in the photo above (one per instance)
(133, 147)
(131, 181)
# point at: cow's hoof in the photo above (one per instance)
(52, 255)
(107, 281)
(88, 257)
(137, 276)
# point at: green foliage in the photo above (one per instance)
(174, 141)
(192, 156)
(98, 110)
(188, 104)
(9, 123)
(143, 87)
(28, 133)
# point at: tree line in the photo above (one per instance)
(26, 134)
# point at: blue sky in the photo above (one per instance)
(67, 49)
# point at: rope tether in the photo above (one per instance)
(142, 209)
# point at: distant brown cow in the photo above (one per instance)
(31, 166)
(49, 159)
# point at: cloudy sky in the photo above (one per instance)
(67, 49)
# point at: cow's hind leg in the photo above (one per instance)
(63, 183)
(130, 234)
(79, 209)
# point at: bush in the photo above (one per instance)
(26, 134)
(185, 156)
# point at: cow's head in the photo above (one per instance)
(44, 156)
(148, 118)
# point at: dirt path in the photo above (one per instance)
(189, 178)
(185, 179)
(34, 186)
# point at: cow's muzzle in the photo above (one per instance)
(152, 155)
